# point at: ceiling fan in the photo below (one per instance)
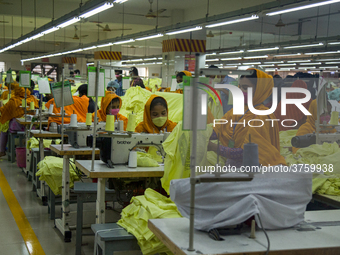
(280, 23)
(151, 14)
(75, 37)
(108, 29)
(211, 34)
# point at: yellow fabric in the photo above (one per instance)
(267, 137)
(151, 83)
(134, 218)
(187, 73)
(216, 109)
(285, 141)
(4, 127)
(50, 171)
(147, 126)
(34, 143)
(145, 160)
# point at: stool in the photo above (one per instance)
(86, 192)
(11, 144)
(109, 242)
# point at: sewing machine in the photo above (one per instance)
(116, 146)
(77, 135)
(309, 139)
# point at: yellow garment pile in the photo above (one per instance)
(50, 171)
(150, 83)
(34, 143)
(4, 127)
(285, 141)
(134, 218)
(135, 99)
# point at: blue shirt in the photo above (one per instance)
(119, 91)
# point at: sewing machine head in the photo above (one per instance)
(115, 147)
(309, 139)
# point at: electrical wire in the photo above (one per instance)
(264, 231)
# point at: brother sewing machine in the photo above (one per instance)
(116, 146)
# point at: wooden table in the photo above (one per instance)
(22, 121)
(67, 152)
(328, 200)
(174, 233)
(102, 172)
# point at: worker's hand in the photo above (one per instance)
(212, 147)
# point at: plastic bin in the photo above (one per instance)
(21, 157)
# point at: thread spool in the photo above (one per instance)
(334, 118)
(133, 159)
(131, 122)
(43, 107)
(50, 109)
(73, 120)
(110, 123)
(251, 155)
(23, 103)
(252, 230)
(121, 125)
(32, 106)
(88, 119)
(37, 112)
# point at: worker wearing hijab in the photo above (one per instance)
(292, 112)
(82, 89)
(179, 79)
(13, 85)
(266, 136)
(155, 117)
(12, 110)
(110, 105)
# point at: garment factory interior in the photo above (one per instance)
(167, 126)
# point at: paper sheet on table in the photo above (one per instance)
(25, 79)
(92, 84)
(44, 86)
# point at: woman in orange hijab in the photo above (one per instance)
(13, 85)
(12, 110)
(292, 111)
(111, 104)
(155, 117)
(266, 136)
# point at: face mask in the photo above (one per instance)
(326, 118)
(245, 96)
(114, 111)
(160, 121)
(180, 85)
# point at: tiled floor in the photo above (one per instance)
(51, 240)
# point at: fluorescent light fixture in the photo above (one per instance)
(333, 43)
(90, 48)
(264, 49)
(270, 69)
(233, 64)
(90, 64)
(309, 67)
(212, 60)
(264, 56)
(158, 63)
(329, 59)
(244, 67)
(298, 61)
(303, 46)
(267, 65)
(285, 69)
(288, 55)
(73, 51)
(57, 54)
(70, 22)
(227, 59)
(233, 21)
(50, 30)
(36, 36)
(306, 64)
(17, 44)
(149, 37)
(66, 52)
(232, 52)
(159, 58)
(147, 59)
(211, 54)
(275, 62)
(185, 30)
(120, 1)
(321, 53)
(308, 6)
(328, 67)
(252, 63)
(104, 45)
(26, 40)
(135, 60)
(126, 41)
(97, 10)
(287, 65)
(332, 63)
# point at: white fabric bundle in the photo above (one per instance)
(279, 198)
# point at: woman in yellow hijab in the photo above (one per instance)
(155, 117)
(111, 104)
(266, 136)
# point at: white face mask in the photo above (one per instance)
(76, 94)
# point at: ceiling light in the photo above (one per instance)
(90, 48)
(285, 69)
(264, 56)
(232, 52)
(306, 64)
(90, 64)
(333, 43)
(158, 63)
(184, 30)
(73, 51)
(303, 46)
(149, 37)
(275, 62)
(58, 54)
(147, 59)
(227, 59)
(308, 6)
(252, 63)
(231, 66)
(270, 69)
(298, 61)
(288, 55)
(212, 60)
(267, 65)
(321, 53)
(126, 41)
(328, 67)
(237, 64)
(211, 54)
(104, 45)
(120, 1)
(329, 59)
(159, 58)
(233, 21)
(67, 23)
(97, 10)
(50, 30)
(264, 49)
(286, 64)
(331, 63)
(36, 36)
(309, 67)
(135, 60)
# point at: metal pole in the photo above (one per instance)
(95, 116)
(62, 110)
(25, 103)
(40, 112)
(193, 154)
